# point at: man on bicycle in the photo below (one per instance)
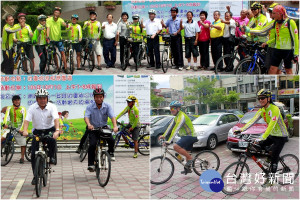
(96, 115)
(182, 125)
(275, 134)
(134, 122)
(25, 35)
(53, 25)
(93, 29)
(173, 24)
(39, 38)
(75, 35)
(17, 114)
(44, 117)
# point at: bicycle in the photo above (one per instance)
(167, 55)
(69, 54)
(143, 141)
(54, 62)
(232, 58)
(84, 150)
(253, 64)
(8, 147)
(28, 147)
(127, 53)
(87, 53)
(162, 167)
(22, 61)
(235, 170)
(42, 163)
(102, 157)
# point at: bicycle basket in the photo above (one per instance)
(166, 38)
(105, 133)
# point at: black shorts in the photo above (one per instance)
(280, 54)
(135, 132)
(187, 142)
(28, 50)
(76, 47)
(190, 48)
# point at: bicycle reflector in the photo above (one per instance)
(37, 138)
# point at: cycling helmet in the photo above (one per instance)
(41, 93)
(152, 11)
(21, 15)
(16, 97)
(98, 91)
(256, 5)
(264, 92)
(174, 9)
(93, 13)
(175, 104)
(75, 16)
(135, 16)
(41, 17)
(125, 13)
(131, 98)
(57, 8)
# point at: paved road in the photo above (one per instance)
(188, 187)
(71, 179)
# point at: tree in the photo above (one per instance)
(155, 100)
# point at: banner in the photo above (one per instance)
(162, 8)
(75, 93)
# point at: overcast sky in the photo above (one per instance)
(162, 80)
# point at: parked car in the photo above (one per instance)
(156, 118)
(234, 143)
(212, 128)
(234, 111)
(160, 127)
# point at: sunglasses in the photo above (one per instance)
(253, 9)
(261, 98)
(173, 108)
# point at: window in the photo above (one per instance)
(260, 85)
(232, 118)
(234, 88)
(273, 85)
(252, 87)
(242, 89)
(224, 119)
(228, 90)
(248, 88)
(267, 85)
(282, 84)
(290, 84)
(296, 84)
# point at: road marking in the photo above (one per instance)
(17, 189)
(7, 180)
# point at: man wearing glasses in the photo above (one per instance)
(275, 134)
(182, 125)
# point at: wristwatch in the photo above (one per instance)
(57, 130)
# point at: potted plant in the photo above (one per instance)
(90, 6)
(110, 5)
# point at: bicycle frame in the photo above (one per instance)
(168, 150)
(127, 135)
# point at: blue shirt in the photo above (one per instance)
(98, 117)
(190, 29)
(173, 25)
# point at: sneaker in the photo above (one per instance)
(186, 171)
(174, 67)
(78, 150)
(156, 70)
(99, 67)
(126, 145)
(33, 181)
(267, 184)
(66, 70)
(188, 68)
(195, 68)
(21, 160)
(112, 157)
(91, 168)
(188, 164)
(135, 155)
(180, 68)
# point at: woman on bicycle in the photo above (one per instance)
(275, 134)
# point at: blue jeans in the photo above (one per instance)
(67, 127)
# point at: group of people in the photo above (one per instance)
(45, 119)
(279, 33)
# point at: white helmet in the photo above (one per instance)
(41, 93)
(152, 11)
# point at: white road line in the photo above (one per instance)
(7, 180)
(17, 189)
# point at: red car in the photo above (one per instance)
(234, 143)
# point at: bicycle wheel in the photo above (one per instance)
(161, 170)
(28, 148)
(53, 64)
(288, 165)
(139, 57)
(25, 66)
(144, 145)
(45, 177)
(297, 68)
(232, 177)
(221, 62)
(38, 174)
(55, 154)
(58, 64)
(103, 169)
(84, 150)
(124, 60)
(246, 67)
(205, 160)
(71, 62)
(91, 60)
(7, 152)
(165, 61)
(83, 57)
(117, 139)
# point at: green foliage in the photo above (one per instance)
(109, 3)
(32, 21)
(156, 100)
(290, 120)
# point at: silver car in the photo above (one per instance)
(212, 128)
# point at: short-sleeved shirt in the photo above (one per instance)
(55, 28)
(152, 26)
(173, 25)
(98, 117)
(110, 30)
(190, 28)
(23, 34)
(8, 35)
(214, 33)
(76, 33)
(93, 30)
(242, 22)
(123, 29)
(42, 119)
(229, 29)
(204, 34)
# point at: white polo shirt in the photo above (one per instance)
(152, 26)
(42, 119)
(110, 30)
